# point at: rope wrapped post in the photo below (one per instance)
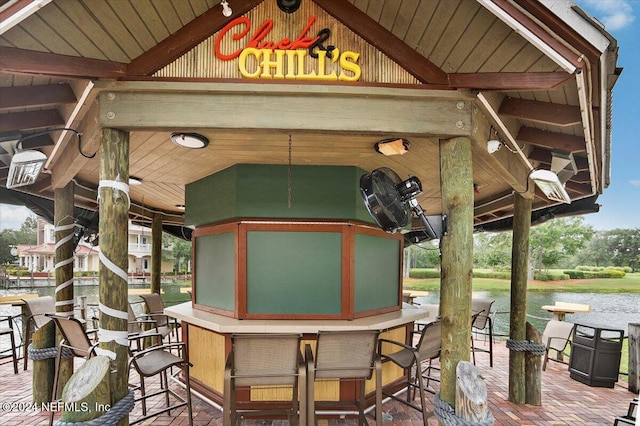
(518, 315)
(114, 202)
(64, 224)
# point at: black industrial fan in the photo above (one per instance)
(391, 201)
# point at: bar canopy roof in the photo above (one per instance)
(535, 74)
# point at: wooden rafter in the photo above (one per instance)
(186, 38)
(30, 120)
(582, 177)
(543, 155)
(580, 188)
(541, 112)
(22, 61)
(551, 140)
(385, 41)
(37, 142)
(36, 96)
(512, 81)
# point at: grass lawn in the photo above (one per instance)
(629, 284)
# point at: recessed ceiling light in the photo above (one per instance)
(190, 140)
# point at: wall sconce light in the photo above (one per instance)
(392, 147)
(226, 10)
(493, 145)
(550, 185)
(24, 168)
(190, 140)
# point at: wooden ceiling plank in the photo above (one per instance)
(29, 61)
(453, 34)
(37, 142)
(30, 120)
(385, 41)
(186, 38)
(580, 188)
(35, 96)
(509, 80)
(541, 112)
(551, 140)
(582, 177)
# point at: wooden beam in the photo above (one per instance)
(186, 38)
(552, 140)
(114, 217)
(385, 41)
(513, 81)
(581, 177)
(37, 141)
(36, 96)
(518, 311)
(541, 112)
(370, 110)
(543, 155)
(30, 120)
(457, 260)
(495, 204)
(69, 162)
(22, 61)
(580, 188)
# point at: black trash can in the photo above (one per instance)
(595, 355)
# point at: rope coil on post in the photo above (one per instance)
(446, 415)
(64, 262)
(47, 353)
(538, 349)
(105, 335)
(111, 417)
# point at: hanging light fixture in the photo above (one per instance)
(550, 185)
(25, 168)
(394, 146)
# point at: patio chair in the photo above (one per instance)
(265, 360)
(345, 355)
(412, 359)
(482, 324)
(434, 313)
(75, 342)
(156, 360)
(37, 308)
(8, 331)
(155, 311)
(140, 328)
(556, 336)
(631, 417)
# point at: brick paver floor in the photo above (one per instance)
(564, 401)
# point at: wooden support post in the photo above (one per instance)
(63, 222)
(156, 252)
(457, 260)
(518, 315)
(533, 369)
(43, 369)
(114, 208)
(634, 357)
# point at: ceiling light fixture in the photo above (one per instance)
(550, 185)
(180, 206)
(190, 140)
(25, 168)
(134, 181)
(288, 6)
(392, 146)
(226, 10)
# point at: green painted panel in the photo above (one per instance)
(377, 272)
(262, 191)
(294, 272)
(211, 199)
(215, 273)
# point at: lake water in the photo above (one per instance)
(615, 310)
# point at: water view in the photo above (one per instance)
(615, 310)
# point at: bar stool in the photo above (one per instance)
(8, 331)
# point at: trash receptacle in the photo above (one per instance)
(595, 355)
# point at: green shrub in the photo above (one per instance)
(605, 274)
(575, 274)
(424, 273)
(627, 269)
(497, 275)
(548, 276)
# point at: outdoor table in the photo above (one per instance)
(560, 309)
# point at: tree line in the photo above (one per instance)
(557, 243)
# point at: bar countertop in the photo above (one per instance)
(222, 324)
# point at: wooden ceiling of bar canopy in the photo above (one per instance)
(428, 69)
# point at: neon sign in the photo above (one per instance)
(261, 57)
